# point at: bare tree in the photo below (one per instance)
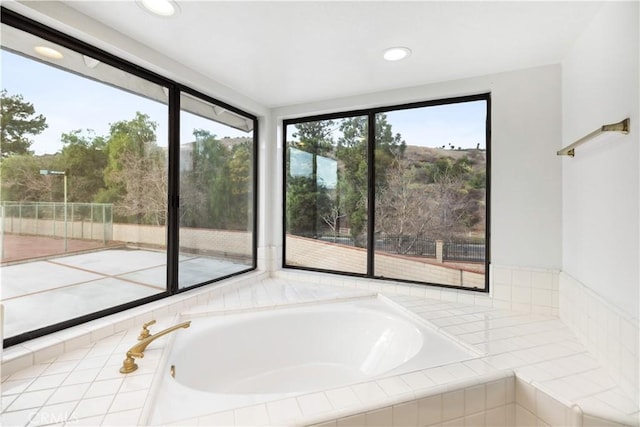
(333, 215)
(454, 203)
(413, 205)
(144, 177)
(22, 181)
(405, 208)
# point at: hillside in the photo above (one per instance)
(418, 154)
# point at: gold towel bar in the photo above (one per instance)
(622, 126)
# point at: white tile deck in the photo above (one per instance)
(83, 386)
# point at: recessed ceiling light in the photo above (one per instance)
(396, 53)
(160, 7)
(48, 52)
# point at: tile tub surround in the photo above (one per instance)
(530, 290)
(499, 402)
(610, 335)
(81, 386)
(35, 351)
(505, 283)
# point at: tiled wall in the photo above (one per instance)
(525, 289)
(534, 407)
(513, 288)
(605, 331)
(479, 404)
(505, 402)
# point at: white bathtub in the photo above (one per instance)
(224, 362)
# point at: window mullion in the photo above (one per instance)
(371, 189)
(173, 204)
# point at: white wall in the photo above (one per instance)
(601, 184)
(525, 171)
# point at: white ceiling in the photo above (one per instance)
(284, 53)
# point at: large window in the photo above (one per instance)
(94, 152)
(326, 171)
(407, 201)
(216, 186)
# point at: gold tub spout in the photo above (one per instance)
(129, 365)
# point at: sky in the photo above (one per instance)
(460, 124)
(70, 102)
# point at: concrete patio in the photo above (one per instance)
(44, 292)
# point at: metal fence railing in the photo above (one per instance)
(466, 250)
(87, 221)
(407, 245)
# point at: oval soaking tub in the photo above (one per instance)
(224, 362)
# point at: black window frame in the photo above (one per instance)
(28, 25)
(371, 115)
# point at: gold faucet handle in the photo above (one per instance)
(145, 330)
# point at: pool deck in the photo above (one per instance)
(534, 369)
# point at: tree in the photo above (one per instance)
(18, 121)
(307, 198)
(352, 151)
(333, 214)
(452, 188)
(84, 158)
(216, 182)
(136, 172)
(306, 202)
(21, 179)
(315, 137)
(405, 208)
(241, 183)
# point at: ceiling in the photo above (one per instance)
(285, 53)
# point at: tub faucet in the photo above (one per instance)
(129, 365)
(145, 333)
